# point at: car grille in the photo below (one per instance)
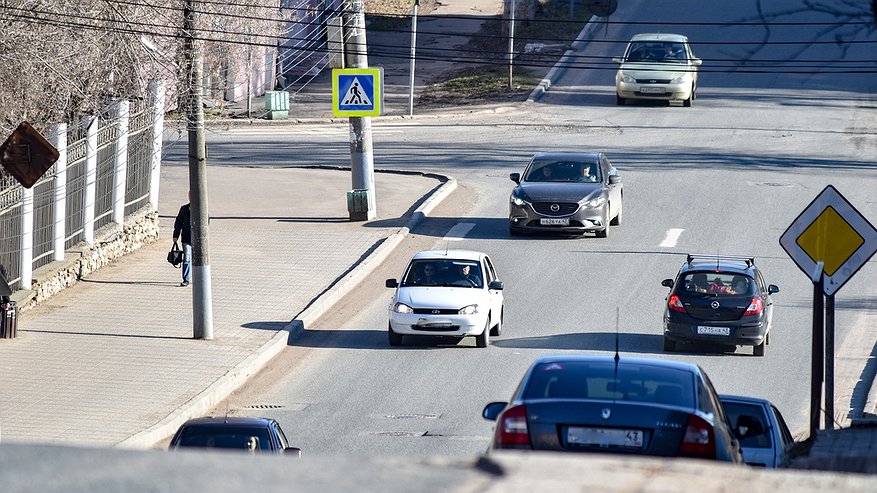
(436, 311)
(653, 81)
(564, 208)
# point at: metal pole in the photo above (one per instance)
(572, 9)
(816, 362)
(411, 71)
(511, 41)
(361, 158)
(829, 362)
(202, 309)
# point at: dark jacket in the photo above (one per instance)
(183, 225)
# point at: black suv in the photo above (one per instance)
(718, 299)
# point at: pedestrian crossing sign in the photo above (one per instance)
(357, 91)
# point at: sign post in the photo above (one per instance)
(830, 241)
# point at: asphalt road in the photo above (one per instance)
(732, 172)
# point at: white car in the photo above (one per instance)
(658, 67)
(447, 293)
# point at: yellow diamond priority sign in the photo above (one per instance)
(830, 230)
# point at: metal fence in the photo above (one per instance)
(82, 214)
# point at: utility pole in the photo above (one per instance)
(413, 49)
(511, 41)
(361, 157)
(202, 307)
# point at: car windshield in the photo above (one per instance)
(656, 51)
(230, 437)
(554, 170)
(444, 272)
(600, 380)
(717, 284)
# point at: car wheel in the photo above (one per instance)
(617, 220)
(688, 101)
(619, 100)
(515, 231)
(394, 338)
(604, 233)
(669, 346)
(483, 339)
(496, 330)
(760, 349)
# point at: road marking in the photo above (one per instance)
(671, 238)
(458, 232)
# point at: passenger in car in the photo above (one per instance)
(719, 287)
(739, 285)
(700, 283)
(428, 277)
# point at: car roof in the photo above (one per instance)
(719, 263)
(625, 360)
(583, 156)
(678, 38)
(746, 399)
(229, 421)
(448, 255)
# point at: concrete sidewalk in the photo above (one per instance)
(112, 360)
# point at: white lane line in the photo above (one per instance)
(458, 232)
(671, 238)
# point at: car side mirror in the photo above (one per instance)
(697, 62)
(292, 451)
(492, 410)
(667, 283)
(773, 288)
(617, 59)
(748, 426)
(495, 285)
(613, 179)
(392, 283)
(515, 177)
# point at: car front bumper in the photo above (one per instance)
(635, 90)
(438, 325)
(584, 220)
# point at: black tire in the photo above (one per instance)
(483, 339)
(394, 338)
(669, 346)
(687, 102)
(515, 231)
(760, 349)
(619, 100)
(604, 233)
(496, 330)
(616, 221)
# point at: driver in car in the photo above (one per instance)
(466, 274)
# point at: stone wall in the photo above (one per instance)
(140, 228)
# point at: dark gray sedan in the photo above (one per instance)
(565, 192)
(594, 403)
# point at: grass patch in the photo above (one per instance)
(479, 84)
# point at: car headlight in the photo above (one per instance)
(596, 202)
(629, 79)
(402, 308)
(468, 310)
(678, 80)
(519, 198)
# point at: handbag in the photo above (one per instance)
(175, 256)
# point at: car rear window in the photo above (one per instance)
(716, 283)
(599, 380)
(232, 437)
(735, 409)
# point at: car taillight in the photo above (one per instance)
(511, 428)
(755, 306)
(675, 304)
(699, 440)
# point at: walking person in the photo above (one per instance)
(183, 233)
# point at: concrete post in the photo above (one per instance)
(90, 190)
(157, 93)
(59, 229)
(121, 113)
(361, 157)
(26, 265)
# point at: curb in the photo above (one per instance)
(237, 376)
(560, 67)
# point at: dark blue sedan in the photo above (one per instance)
(597, 403)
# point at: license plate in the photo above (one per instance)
(605, 437)
(653, 90)
(714, 331)
(562, 221)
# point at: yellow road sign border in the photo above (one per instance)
(377, 97)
